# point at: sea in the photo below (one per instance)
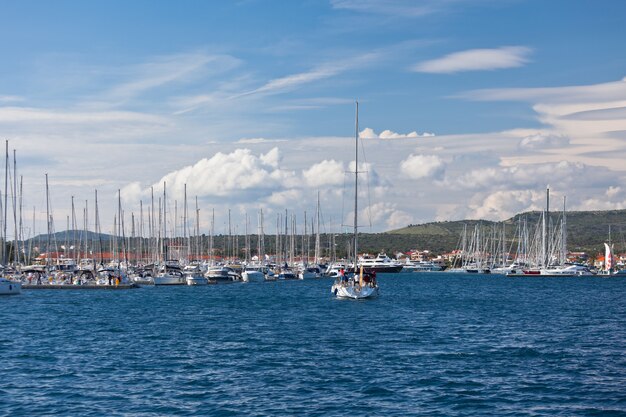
(432, 344)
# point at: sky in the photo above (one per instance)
(467, 109)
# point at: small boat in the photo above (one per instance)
(170, 274)
(362, 285)
(9, 287)
(196, 280)
(193, 275)
(253, 274)
(286, 273)
(310, 272)
(222, 274)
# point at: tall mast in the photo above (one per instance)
(15, 239)
(317, 231)
(564, 234)
(356, 187)
(197, 243)
(211, 236)
(6, 193)
(48, 223)
(164, 224)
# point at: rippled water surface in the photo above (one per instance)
(432, 344)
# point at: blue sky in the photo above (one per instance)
(251, 103)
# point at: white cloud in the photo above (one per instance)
(168, 69)
(387, 213)
(28, 114)
(543, 141)
(320, 72)
(369, 133)
(563, 174)
(327, 172)
(403, 8)
(613, 191)
(477, 60)
(503, 204)
(284, 198)
(228, 174)
(7, 99)
(271, 158)
(253, 141)
(423, 166)
(593, 93)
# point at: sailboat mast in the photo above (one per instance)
(47, 222)
(6, 193)
(356, 187)
(564, 235)
(164, 225)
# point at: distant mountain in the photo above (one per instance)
(71, 235)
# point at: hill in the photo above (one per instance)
(586, 230)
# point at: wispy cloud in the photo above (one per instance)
(28, 114)
(320, 72)
(164, 70)
(409, 8)
(477, 60)
(8, 99)
(603, 92)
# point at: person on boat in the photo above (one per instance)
(342, 275)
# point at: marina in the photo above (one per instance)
(445, 345)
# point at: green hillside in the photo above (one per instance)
(586, 230)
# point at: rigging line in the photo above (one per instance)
(369, 194)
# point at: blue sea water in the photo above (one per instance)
(431, 344)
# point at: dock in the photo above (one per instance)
(78, 287)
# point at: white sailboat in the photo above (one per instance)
(360, 285)
(8, 287)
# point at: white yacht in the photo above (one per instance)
(253, 273)
(421, 266)
(380, 264)
(222, 274)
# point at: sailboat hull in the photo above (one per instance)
(8, 287)
(355, 292)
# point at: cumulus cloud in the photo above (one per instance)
(477, 60)
(387, 213)
(423, 166)
(284, 198)
(613, 191)
(543, 141)
(504, 204)
(369, 133)
(327, 172)
(563, 174)
(229, 174)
